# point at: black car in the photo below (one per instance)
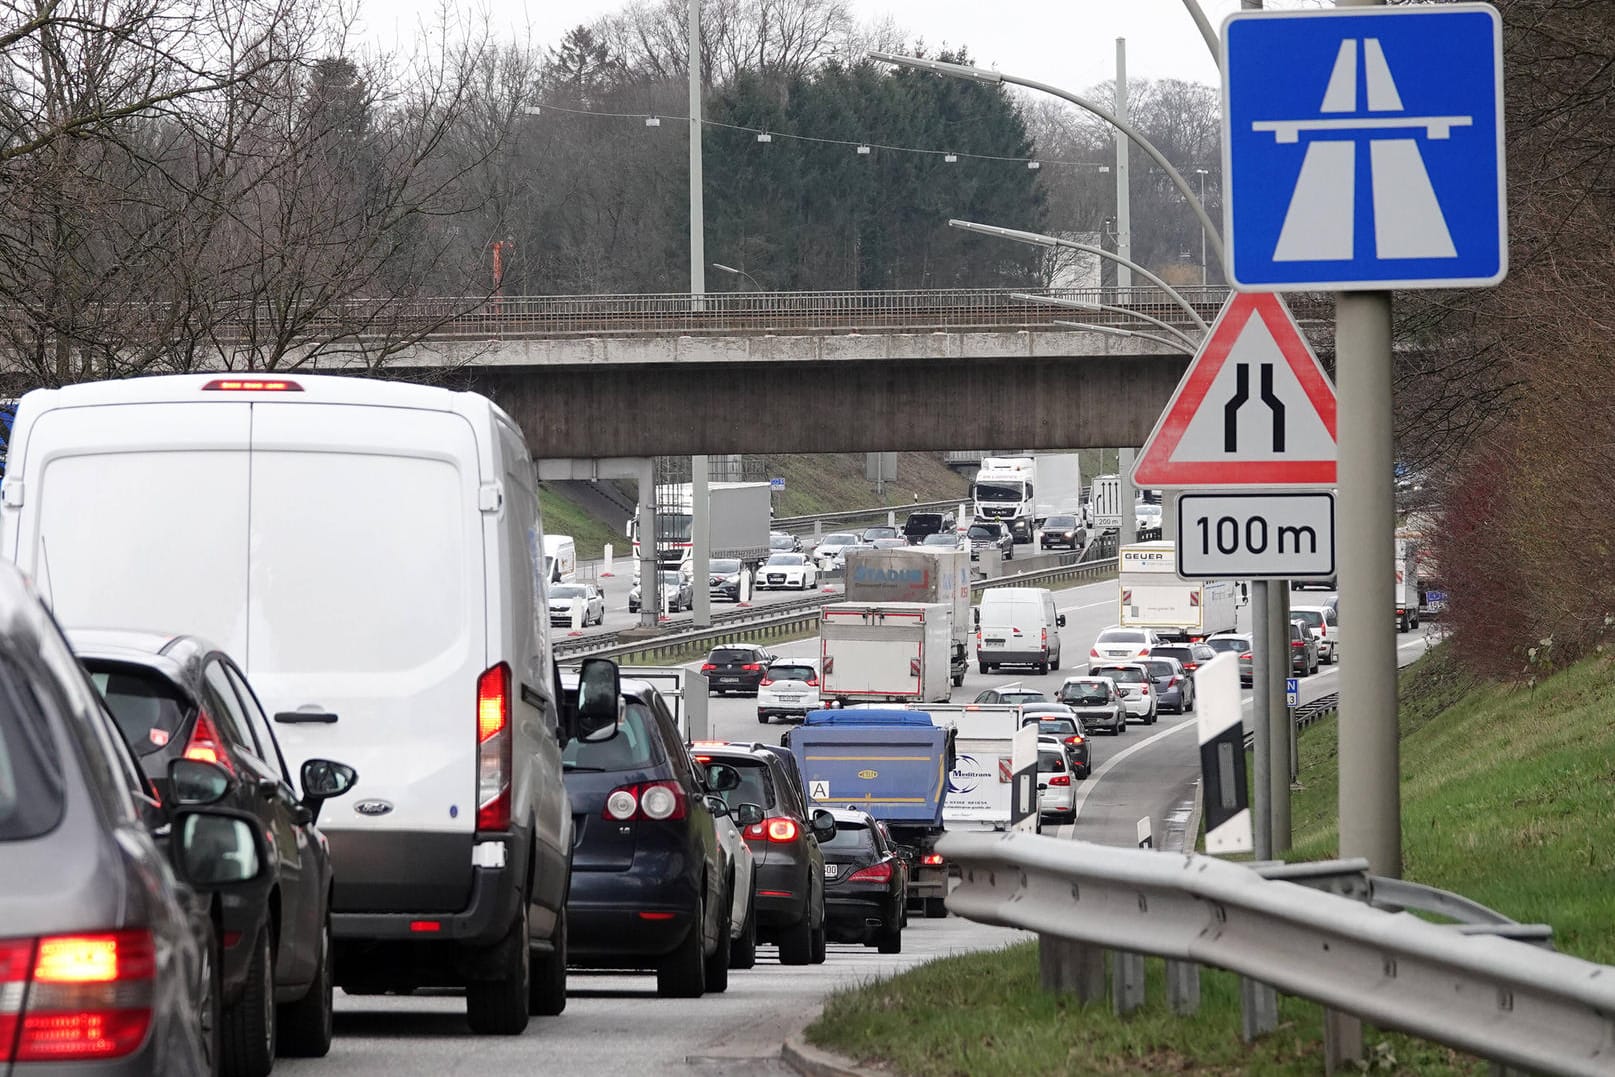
(1068, 728)
(920, 524)
(737, 667)
(650, 889)
(865, 884)
(724, 579)
(1189, 655)
(788, 865)
(179, 697)
(102, 876)
(1097, 703)
(987, 536)
(1064, 531)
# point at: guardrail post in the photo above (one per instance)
(1183, 987)
(1066, 967)
(1258, 1009)
(1342, 1041)
(1126, 982)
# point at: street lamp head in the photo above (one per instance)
(940, 67)
(726, 269)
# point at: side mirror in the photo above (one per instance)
(975, 616)
(749, 814)
(1059, 620)
(824, 825)
(323, 779)
(599, 699)
(721, 777)
(905, 854)
(717, 806)
(215, 849)
(195, 783)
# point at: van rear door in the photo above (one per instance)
(366, 601)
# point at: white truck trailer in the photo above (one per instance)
(918, 574)
(741, 514)
(1022, 491)
(1152, 595)
(885, 652)
(1407, 582)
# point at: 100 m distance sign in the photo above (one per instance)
(1256, 536)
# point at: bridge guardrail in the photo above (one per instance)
(1481, 987)
(795, 524)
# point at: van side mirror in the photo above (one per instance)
(975, 616)
(1059, 620)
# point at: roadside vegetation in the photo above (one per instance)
(563, 516)
(1506, 796)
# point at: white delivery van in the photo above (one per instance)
(560, 559)
(1018, 626)
(368, 551)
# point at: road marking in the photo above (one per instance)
(1093, 779)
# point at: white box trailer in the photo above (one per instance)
(888, 652)
(917, 574)
(1152, 595)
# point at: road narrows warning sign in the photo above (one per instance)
(1254, 409)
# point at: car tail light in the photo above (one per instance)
(493, 749)
(1073, 740)
(206, 745)
(779, 830)
(1190, 667)
(874, 873)
(1297, 643)
(1145, 653)
(913, 667)
(707, 667)
(765, 682)
(812, 682)
(1093, 652)
(655, 801)
(1173, 681)
(931, 860)
(1060, 779)
(252, 385)
(1246, 657)
(88, 997)
(751, 667)
(1143, 689)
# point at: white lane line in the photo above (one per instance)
(1096, 776)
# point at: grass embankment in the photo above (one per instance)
(834, 482)
(563, 516)
(1507, 797)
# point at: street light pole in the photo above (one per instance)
(1124, 198)
(1184, 339)
(1201, 172)
(700, 501)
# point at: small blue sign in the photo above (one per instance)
(1292, 691)
(776, 484)
(1364, 150)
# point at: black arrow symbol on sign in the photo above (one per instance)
(1242, 393)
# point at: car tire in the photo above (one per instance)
(1189, 706)
(248, 1031)
(716, 964)
(1042, 668)
(305, 1025)
(984, 668)
(820, 942)
(796, 943)
(210, 1007)
(958, 680)
(683, 973)
(498, 1007)
(936, 908)
(891, 940)
(546, 989)
(743, 951)
(762, 719)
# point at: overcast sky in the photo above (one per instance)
(1069, 43)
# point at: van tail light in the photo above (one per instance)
(252, 385)
(493, 749)
(653, 801)
(205, 745)
(874, 873)
(75, 998)
(779, 830)
(931, 860)
(1060, 779)
(913, 667)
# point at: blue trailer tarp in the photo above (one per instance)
(897, 771)
(870, 716)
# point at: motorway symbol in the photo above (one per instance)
(819, 790)
(1364, 150)
(1278, 536)
(1218, 432)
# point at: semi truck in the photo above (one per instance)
(1023, 491)
(918, 574)
(1153, 595)
(1408, 587)
(891, 763)
(885, 652)
(741, 513)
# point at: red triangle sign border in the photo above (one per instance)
(1155, 467)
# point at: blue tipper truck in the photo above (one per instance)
(892, 764)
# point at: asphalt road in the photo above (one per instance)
(616, 1025)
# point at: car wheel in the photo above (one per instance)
(1189, 706)
(248, 1029)
(683, 973)
(820, 942)
(958, 680)
(743, 951)
(1042, 668)
(796, 944)
(498, 1007)
(546, 993)
(717, 963)
(305, 1025)
(936, 908)
(891, 940)
(762, 719)
(984, 667)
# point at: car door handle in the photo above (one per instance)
(305, 717)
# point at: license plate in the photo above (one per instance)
(830, 871)
(789, 699)
(995, 643)
(730, 680)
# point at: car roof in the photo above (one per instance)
(174, 656)
(1118, 665)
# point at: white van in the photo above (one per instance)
(560, 559)
(368, 550)
(1018, 626)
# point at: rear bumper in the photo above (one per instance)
(485, 918)
(1012, 657)
(783, 890)
(620, 918)
(848, 910)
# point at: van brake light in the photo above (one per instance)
(252, 385)
(493, 748)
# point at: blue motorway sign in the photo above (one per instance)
(1364, 149)
(776, 484)
(1292, 691)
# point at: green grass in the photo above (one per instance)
(563, 516)
(1507, 797)
(835, 483)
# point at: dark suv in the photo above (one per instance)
(179, 697)
(1189, 655)
(735, 668)
(986, 536)
(650, 888)
(788, 865)
(1064, 531)
(920, 524)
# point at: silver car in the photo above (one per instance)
(565, 597)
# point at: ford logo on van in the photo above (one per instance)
(373, 807)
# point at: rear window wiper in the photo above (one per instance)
(581, 766)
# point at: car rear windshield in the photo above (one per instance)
(791, 673)
(31, 796)
(1182, 654)
(1228, 644)
(633, 748)
(147, 706)
(1084, 694)
(1023, 697)
(731, 654)
(1123, 676)
(1313, 618)
(1059, 726)
(1121, 635)
(1050, 761)
(568, 590)
(1160, 669)
(852, 838)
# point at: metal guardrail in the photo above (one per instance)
(800, 524)
(1308, 713)
(1470, 986)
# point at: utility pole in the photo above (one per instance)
(1124, 225)
(700, 501)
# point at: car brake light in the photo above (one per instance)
(703, 759)
(1073, 739)
(493, 748)
(252, 385)
(812, 682)
(205, 745)
(1246, 656)
(1093, 652)
(751, 667)
(1297, 643)
(1060, 779)
(874, 873)
(1143, 689)
(779, 830)
(707, 667)
(765, 682)
(69, 998)
(1145, 653)
(931, 860)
